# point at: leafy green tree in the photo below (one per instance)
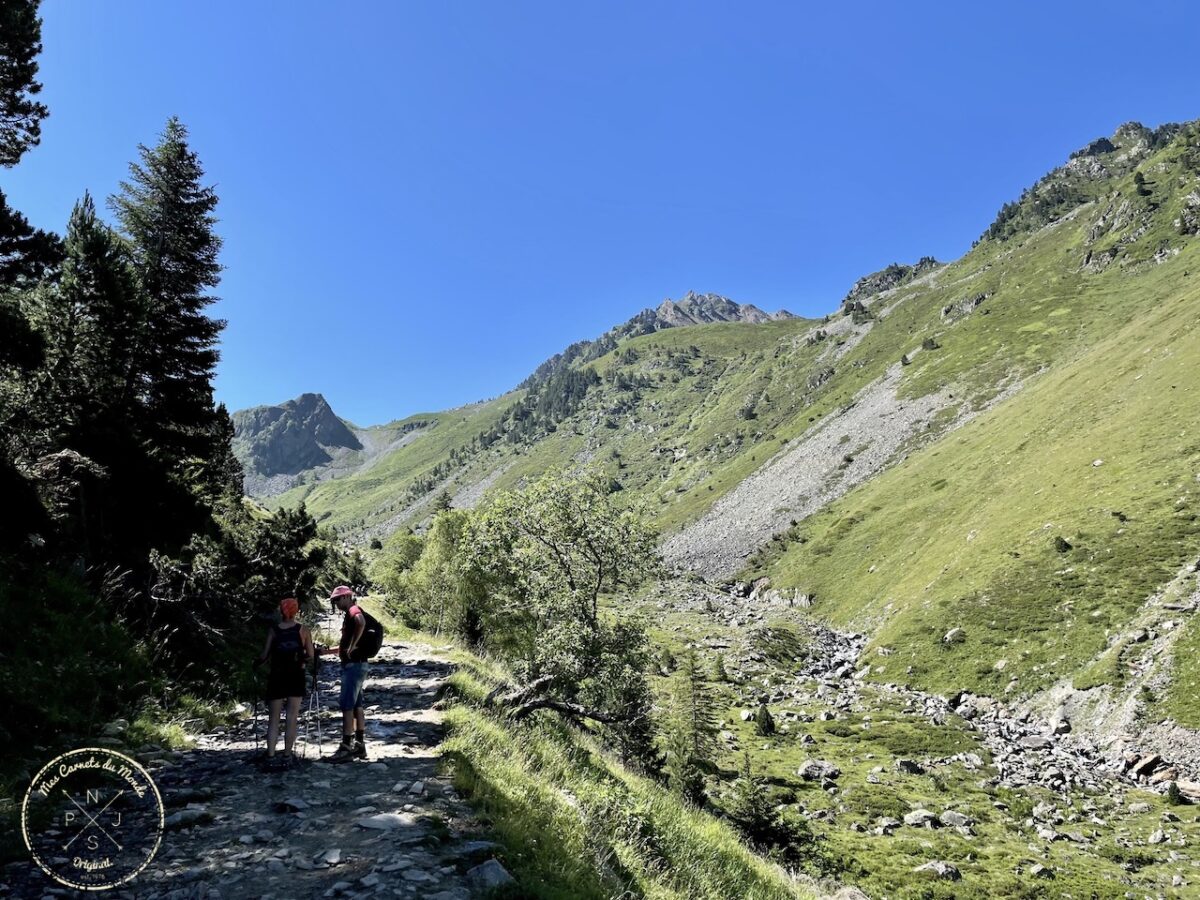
(395, 558)
(167, 215)
(691, 730)
(558, 546)
(431, 584)
(442, 502)
(547, 554)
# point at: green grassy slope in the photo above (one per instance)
(964, 532)
(576, 824)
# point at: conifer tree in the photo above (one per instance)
(720, 675)
(166, 213)
(764, 722)
(87, 318)
(750, 807)
(20, 113)
(26, 253)
(691, 742)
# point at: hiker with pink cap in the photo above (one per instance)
(362, 636)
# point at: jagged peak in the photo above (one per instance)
(891, 276)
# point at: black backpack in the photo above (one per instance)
(288, 647)
(372, 639)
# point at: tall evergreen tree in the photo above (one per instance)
(20, 113)
(27, 254)
(691, 732)
(166, 212)
(750, 807)
(88, 317)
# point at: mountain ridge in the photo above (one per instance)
(689, 419)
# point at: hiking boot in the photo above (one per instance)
(360, 751)
(344, 753)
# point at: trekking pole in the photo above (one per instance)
(257, 748)
(316, 702)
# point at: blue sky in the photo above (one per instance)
(421, 201)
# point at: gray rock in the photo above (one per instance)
(114, 729)
(818, 770)
(187, 818)
(1037, 870)
(476, 848)
(954, 636)
(489, 875)
(385, 821)
(939, 869)
(920, 817)
(954, 819)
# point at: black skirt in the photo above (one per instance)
(286, 681)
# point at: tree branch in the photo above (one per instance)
(567, 708)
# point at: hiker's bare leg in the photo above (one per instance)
(275, 708)
(360, 719)
(293, 722)
(348, 724)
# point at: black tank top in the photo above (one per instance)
(288, 647)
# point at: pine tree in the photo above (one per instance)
(167, 215)
(691, 738)
(87, 317)
(764, 722)
(784, 838)
(26, 253)
(20, 114)
(720, 675)
(750, 807)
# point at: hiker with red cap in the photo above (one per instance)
(289, 648)
(354, 652)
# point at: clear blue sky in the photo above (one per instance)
(421, 201)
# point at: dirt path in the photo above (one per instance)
(387, 827)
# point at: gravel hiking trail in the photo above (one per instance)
(390, 826)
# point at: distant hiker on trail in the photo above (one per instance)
(362, 636)
(289, 649)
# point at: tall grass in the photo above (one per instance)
(576, 824)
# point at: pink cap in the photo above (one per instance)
(341, 591)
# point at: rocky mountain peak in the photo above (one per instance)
(290, 437)
(890, 277)
(703, 309)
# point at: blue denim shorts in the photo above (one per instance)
(354, 675)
